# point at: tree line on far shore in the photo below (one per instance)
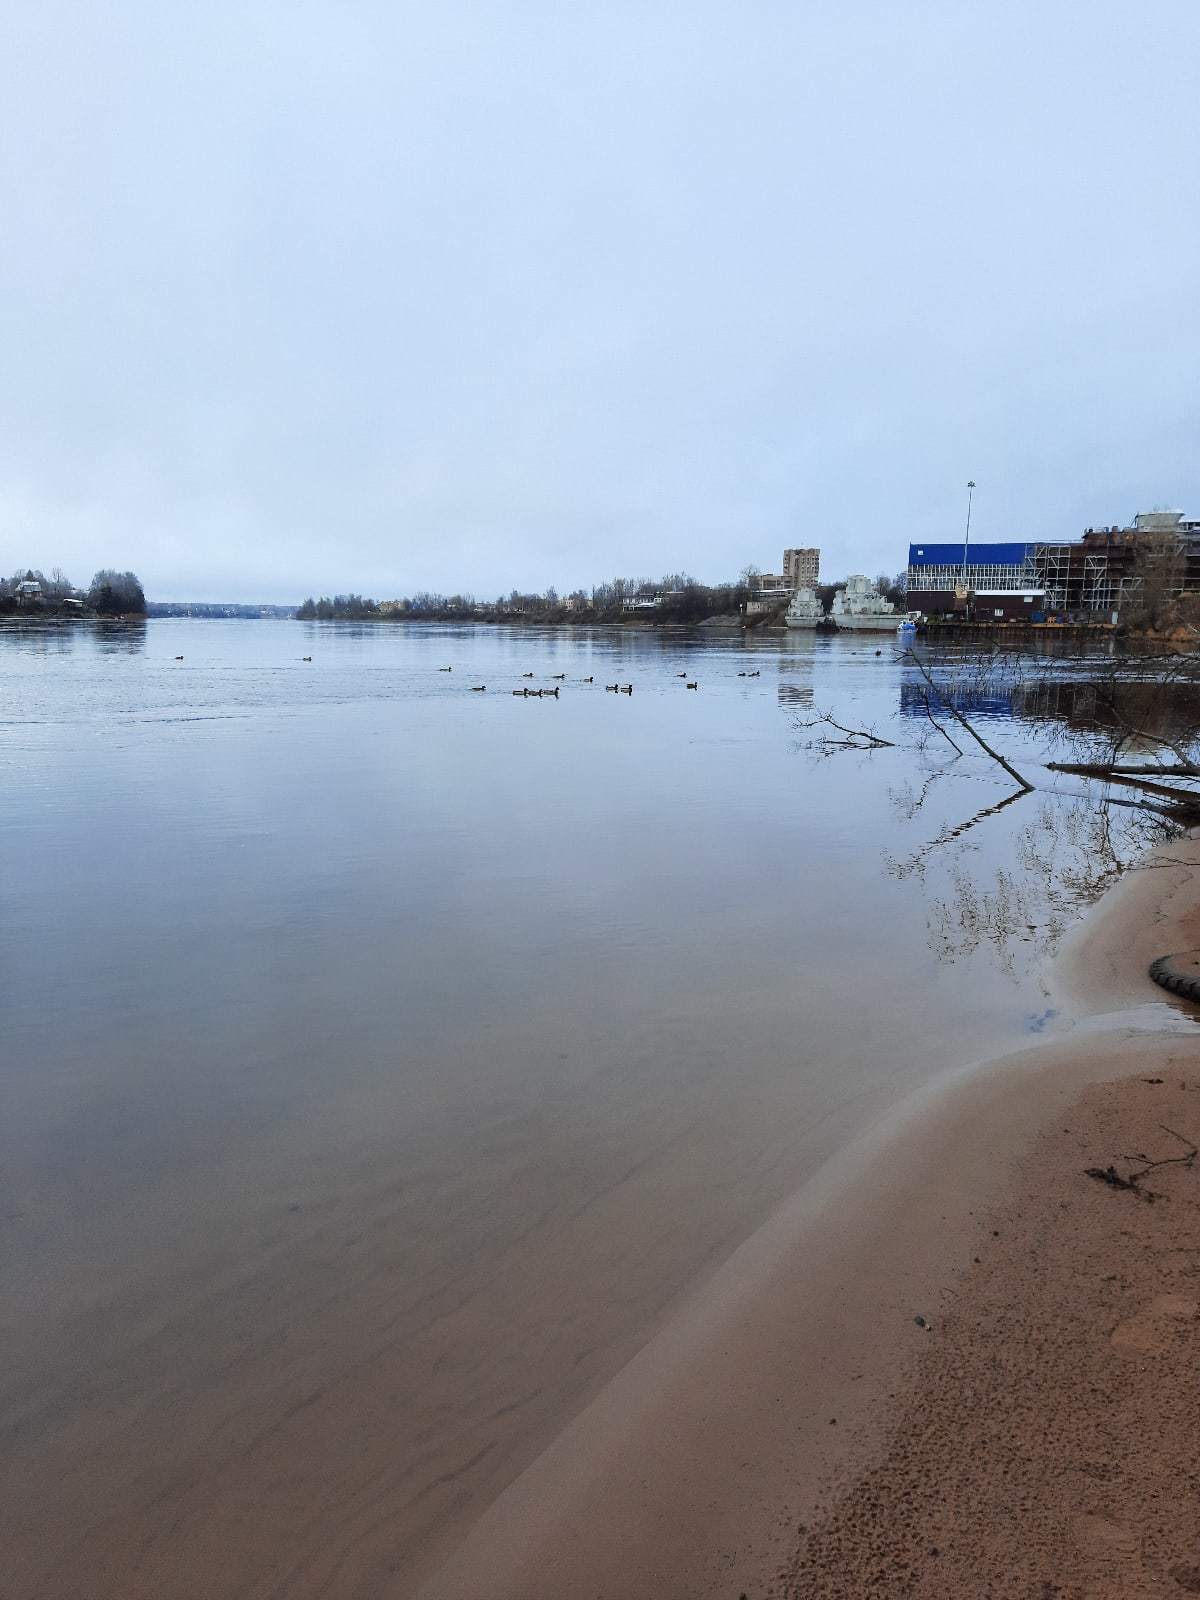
(678, 598)
(110, 593)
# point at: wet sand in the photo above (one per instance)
(918, 1352)
(1047, 1443)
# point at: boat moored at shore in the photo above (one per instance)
(805, 609)
(861, 608)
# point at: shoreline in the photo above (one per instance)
(761, 1408)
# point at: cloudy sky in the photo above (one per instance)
(296, 297)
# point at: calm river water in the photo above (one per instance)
(383, 1061)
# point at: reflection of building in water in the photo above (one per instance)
(1089, 706)
(974, 701)
(795, 694)
(861, 607)
(1093, 576)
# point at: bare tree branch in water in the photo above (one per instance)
(937, 724)
(1170, 813)
(1184, 799)
(1151, 704)
(911, 656)
(1131, 723)
(872, 741)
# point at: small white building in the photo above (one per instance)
(772, 586)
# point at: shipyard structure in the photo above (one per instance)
(1090, 579)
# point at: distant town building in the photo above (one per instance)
(647, 598)
(800, 571)
(767, 584)
(941, 577)
(28, 591)
(1092, 576)
(1009, 605)
(802, 568)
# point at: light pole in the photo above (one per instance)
(967, 546)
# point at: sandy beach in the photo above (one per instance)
(954, 1364)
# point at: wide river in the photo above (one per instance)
(384, 1062)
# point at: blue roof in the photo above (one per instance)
(978, 555)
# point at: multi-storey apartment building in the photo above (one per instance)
(802, 568)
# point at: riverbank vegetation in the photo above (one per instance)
(675, 598)
(110, 594)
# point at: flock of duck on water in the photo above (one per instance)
(541, 694)
(610, 688)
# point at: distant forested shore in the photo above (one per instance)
(676, 598)
(29, 592)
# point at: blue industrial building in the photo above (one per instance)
(1066, 579)
(1003, 578)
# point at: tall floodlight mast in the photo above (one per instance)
(967, 547)
(967, 540)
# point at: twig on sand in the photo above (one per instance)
(1132, 1180)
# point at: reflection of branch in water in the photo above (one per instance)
(904, 869)
(907, 801)
(974, 917)
(1067, 856)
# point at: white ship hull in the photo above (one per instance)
(804, 622)
(869, 622)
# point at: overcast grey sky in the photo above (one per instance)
(296, 297)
